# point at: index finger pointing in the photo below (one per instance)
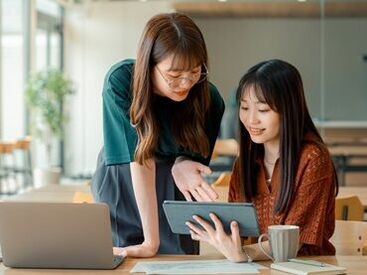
(209, 190)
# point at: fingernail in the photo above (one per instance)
(194, 217)
(187, 223)
(234, 223)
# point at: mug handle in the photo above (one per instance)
(262, 248)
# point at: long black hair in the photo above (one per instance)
(279, 84)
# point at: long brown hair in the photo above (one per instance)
(164, 35)
(279, 84)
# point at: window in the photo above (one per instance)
(12, 111)
(16, 52)
(48, 54)
(48, 35)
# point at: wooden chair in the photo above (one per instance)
(348, 208)
(24, 146)
(8, 181)
(225, 147)
(221, 186)
(350, 238)
(223, 179)
(81, 197)
(24, 143)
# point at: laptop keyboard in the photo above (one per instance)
(117, 259)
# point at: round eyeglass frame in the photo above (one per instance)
(176, 83)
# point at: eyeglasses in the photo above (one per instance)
(175, 83)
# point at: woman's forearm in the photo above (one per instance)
(143, 179)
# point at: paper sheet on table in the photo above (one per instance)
(196, 267)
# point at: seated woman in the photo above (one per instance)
(283, 168)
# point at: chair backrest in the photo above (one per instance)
(24, 143)
(349, 208)
(223, 179)
(82, 197)
(350, 237)
(225, 147)
(221, 185)
(7, 147)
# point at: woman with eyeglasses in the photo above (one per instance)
(161, 118)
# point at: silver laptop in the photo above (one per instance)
(56, 235)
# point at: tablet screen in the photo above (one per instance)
(178, 212)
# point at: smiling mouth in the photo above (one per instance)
(256, 131)
(181, 93)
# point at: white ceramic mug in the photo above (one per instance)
(284, 241)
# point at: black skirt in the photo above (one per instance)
(113, 186)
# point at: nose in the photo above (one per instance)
(252, 117)
(185, 83)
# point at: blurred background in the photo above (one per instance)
(61, 129)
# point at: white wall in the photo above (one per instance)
(345, 69)
(235, 45)
(97, 36)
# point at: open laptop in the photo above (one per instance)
(56, 235)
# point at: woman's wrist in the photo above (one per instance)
(151, 245)
(181, 158)
(240, 257)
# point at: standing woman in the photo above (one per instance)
(161, 118)
(284, 168)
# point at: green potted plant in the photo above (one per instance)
(45, 93)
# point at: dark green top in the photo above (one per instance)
(120, 137)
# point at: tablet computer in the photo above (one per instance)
(178, 212)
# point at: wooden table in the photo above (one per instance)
(65, 193)
(62, 188)
(51, 193)
(354, 265)
(344, 191)
(229, 147)
(350, 150)
(343, 156)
